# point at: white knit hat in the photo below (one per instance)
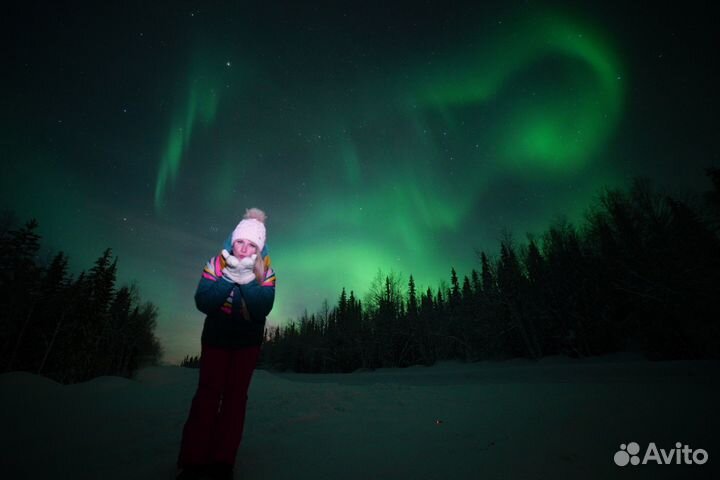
(252, 228)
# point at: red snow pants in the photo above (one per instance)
(214, 428)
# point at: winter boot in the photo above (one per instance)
(220, 471)
(193, 472)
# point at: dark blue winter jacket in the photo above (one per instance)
(235, 313)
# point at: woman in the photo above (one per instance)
(236, 292)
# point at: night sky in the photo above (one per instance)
(393, 135)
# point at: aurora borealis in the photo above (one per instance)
(401, 136)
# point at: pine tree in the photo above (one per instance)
(95, 331)
(488, 281)
(23, 286)
(412, 300)
(56, 286)
(510, 282)
(455, 289)
(535, 265)
(476, 285)
(118, 339)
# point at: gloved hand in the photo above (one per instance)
(240, 271)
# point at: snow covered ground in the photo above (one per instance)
(555, 419)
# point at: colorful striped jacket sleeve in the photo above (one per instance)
(259, 297)
(214, 293)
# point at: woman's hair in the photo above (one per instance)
(260, 268)
(260, 216)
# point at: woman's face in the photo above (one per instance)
(244, 248)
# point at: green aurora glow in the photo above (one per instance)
(396, 137)
(205, 86)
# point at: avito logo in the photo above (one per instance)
(680, 455)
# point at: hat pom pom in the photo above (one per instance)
(255, 213)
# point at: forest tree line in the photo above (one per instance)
(641, 273)
(67, 328)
